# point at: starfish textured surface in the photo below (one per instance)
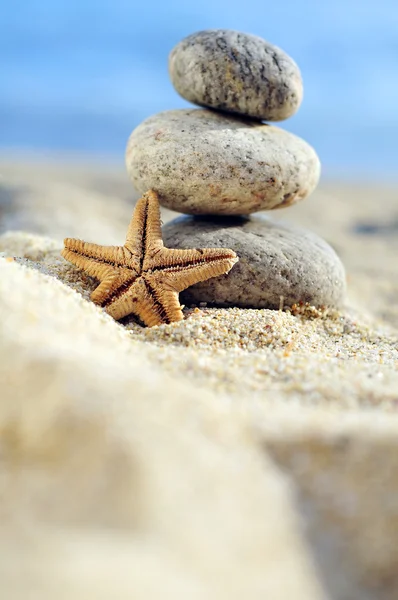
(143, 277)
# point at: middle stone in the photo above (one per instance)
(201, 162)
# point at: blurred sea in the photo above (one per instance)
(78, 76)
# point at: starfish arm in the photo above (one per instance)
(90, 266)
(161, 300)
(170, 259)
(124, 303)
(152, 306)
(110, 283)
(183, 268)
(116, 255)
(144, 234)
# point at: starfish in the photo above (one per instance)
(143, 277)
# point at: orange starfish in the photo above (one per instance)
(143, 277)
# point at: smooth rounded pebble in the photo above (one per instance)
(201, 162)
(236, 72)
(278, 263)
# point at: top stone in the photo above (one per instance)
(238, 73)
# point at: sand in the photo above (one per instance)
(239, 453)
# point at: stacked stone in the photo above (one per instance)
(222, 163)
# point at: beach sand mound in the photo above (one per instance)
(239, 453)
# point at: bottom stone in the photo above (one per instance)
(277, 263)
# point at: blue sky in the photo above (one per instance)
(79, 76)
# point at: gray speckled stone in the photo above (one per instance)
(236, 72)
(201, 162)
(275, 259)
